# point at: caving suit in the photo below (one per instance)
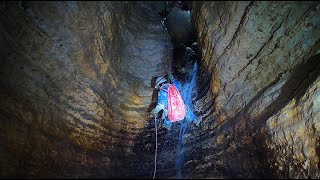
(163, 102)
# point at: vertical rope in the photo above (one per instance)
(155, 153)
(166, 47)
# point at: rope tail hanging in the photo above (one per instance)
(155, 153)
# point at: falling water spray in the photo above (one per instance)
(187, 92)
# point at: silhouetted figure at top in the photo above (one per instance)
(178, 4)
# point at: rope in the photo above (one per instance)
(155, 153)
(155, 118)
(167, 55)
(166, 48)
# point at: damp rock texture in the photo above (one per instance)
(75, 85)
(263, 58)
(76, 90)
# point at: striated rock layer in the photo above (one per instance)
(264, 65)
(75, 85)
(76, 92)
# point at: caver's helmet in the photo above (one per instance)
(160, 80)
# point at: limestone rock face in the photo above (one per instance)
(263, 65)
(76, 90)
(294, 135)
(75, 85)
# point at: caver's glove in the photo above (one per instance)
(157, 109)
